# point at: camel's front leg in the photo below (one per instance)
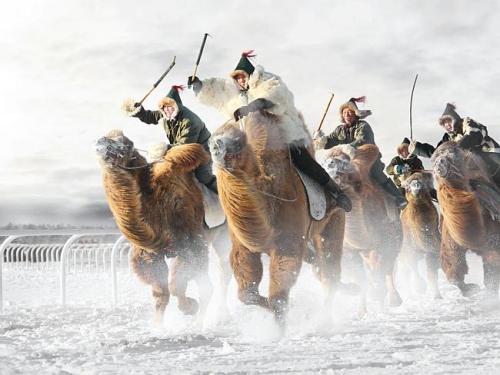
(284, 268)
(152, 269)
(191, 264)
(491, 269)
(432, 265)
(221, 244)
(247, 269)
(328, 245)
(454, 264)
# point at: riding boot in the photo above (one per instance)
(343, 201)
(390, 188)
(212, 186)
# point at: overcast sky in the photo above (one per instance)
(66, 66)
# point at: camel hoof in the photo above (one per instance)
(188, 306)
(469, 290)
(252, 298)
(394, 299)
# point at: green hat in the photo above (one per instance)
(244, 66)
(172, 97)
(351, 103)
(450, 113)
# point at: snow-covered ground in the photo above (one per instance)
(450, 336)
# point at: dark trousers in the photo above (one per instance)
(303, 160)
(204, 172)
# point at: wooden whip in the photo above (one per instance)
(325, 112)
(155, 85)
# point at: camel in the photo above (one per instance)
(373, 234)
(470, 204)
(267, 211)
(421, 235)
(159, 209)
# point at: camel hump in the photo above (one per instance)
(186, 157)
(367, 154)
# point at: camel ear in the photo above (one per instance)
(186, 158)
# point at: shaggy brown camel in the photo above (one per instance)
(267, 212)
(469, 203)
(421, 236)
(373, 230)
(159, 209)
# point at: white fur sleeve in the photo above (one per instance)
(273, 89)
(216, 92)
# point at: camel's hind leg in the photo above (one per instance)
(454, 264)
(432, 265)
(328, 245)
(221, 244)
(192, 264)
(152, 269)
(247, 269)
(284, 268)
(491, 268)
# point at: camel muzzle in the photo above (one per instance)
(224, 149)
(111, 150)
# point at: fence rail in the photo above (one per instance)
(71, 255)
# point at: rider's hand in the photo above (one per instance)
(131, 107)
(195, 83)
(412, 146)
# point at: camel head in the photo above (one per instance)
(451, 163)
(418, 186)
(340, 168)
(227, 144)
(115, 149)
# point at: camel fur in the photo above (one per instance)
(421, 236)
(373, 230)
(266, 207)
(467, 224)
(159, 209)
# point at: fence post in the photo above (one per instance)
(64, 255)
(114, 285)
(3, 247)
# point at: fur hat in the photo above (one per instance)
(404, 145)
(173, 98)
(361, 113)
(244, 66)
(449, 113)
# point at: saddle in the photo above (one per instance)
(214, 215)
(316, 197)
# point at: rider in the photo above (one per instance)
(355, 131)
(251, 88)
(403, 165)
(181, 125)
(470, 135)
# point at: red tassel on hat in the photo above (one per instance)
(179, 87)
(249, 53)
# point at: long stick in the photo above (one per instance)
(411, 107)
(199, 55)
(325, 112)
(159, 80)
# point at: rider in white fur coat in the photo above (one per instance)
(251, 87)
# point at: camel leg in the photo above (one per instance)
(360, 277)
(328, 247)
(247, 269)
(191, 264)
(432, 268)
(222, 245)
(412, 260)
(491, 269)
(152, 269)
(387, 267)
(454, 264)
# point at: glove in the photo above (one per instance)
(399, 169)
(318, 134)
(131, 107)
(241, 112)
(260, 104)
(412, 146)
(320, 142)
(195, 83)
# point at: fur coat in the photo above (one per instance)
(225, 96)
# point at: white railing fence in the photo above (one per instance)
(66, 252)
